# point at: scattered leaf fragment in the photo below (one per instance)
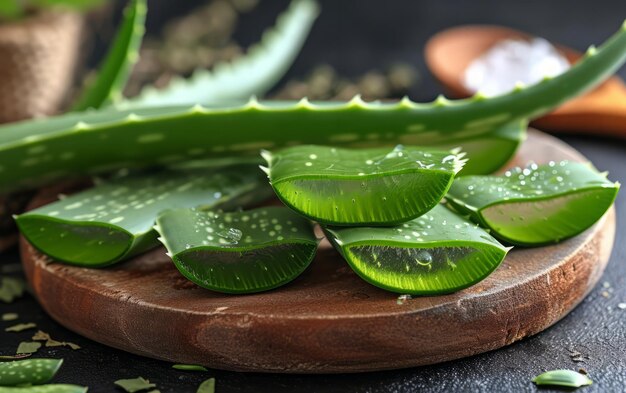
(207, 386)
(14, 357)
(29, 371)
(134, 384)
(189, 367)
(28, 347)
(50, 342)
(11, 288)
(565, 378)
(10, 316)
(20, 327)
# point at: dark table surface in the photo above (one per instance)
(355, 37)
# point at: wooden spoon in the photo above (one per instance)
(600, 111)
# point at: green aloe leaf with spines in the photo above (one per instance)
(115, 70)
(238, 252)
(536, 205)
(439, 252)
(52, 388)
(37, 151)
(29, 371)
(251, 75)
(362, 187)
(113, 221)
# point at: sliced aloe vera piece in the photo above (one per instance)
(362, 187)
(114, 220)
(29, 371)
(439, 252)
(52, 388)
(239, 252)
(537, 204)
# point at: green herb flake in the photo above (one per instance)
(20, 327)
(189, 367)
(28, 347)
(50, 342)
(11, 288)
(14, 357)
(564, 378)
(207, 386)
(135, 384)
(10, 316)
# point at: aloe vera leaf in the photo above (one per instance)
(252, 74)
(564, 378)
(111, 79)
(437, 253)
(29, 371)
(36, 151)
(52, 388)
(239, 252)
(114, 220)
(362, 187)
(536, 205)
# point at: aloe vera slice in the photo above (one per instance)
(538, 204)
(114, 220)
(52, 388)
(252, 74)
(29, 371)
(124, 53)
(362, 187)
(437, 253)
(239, 252)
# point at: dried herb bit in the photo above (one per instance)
(189, 367)
(52, 388)
(11, 288)
(50, 342)
(10, 316)
(30, 371)
(379, 186)
(207, 386)
(28, 347)
(14, 357)
(565, 378)
(134, 385)
(20, 327)
(536, 205)
(239, 252)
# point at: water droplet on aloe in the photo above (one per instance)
(231, 235)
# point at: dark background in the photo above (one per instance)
(355, 37)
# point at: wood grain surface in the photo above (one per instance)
(328, 320)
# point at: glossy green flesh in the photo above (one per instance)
(538, 204)
(124, 53)
(362, 187)
(239, 252)
(29, 371)
(436, 253)
(37, 151)
(253, 74)
(53, 388)
(114, 221)
(565, 378)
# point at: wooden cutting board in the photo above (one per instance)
(328, 320)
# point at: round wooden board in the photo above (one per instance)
(328, 320)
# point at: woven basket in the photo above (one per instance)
(37, 60)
